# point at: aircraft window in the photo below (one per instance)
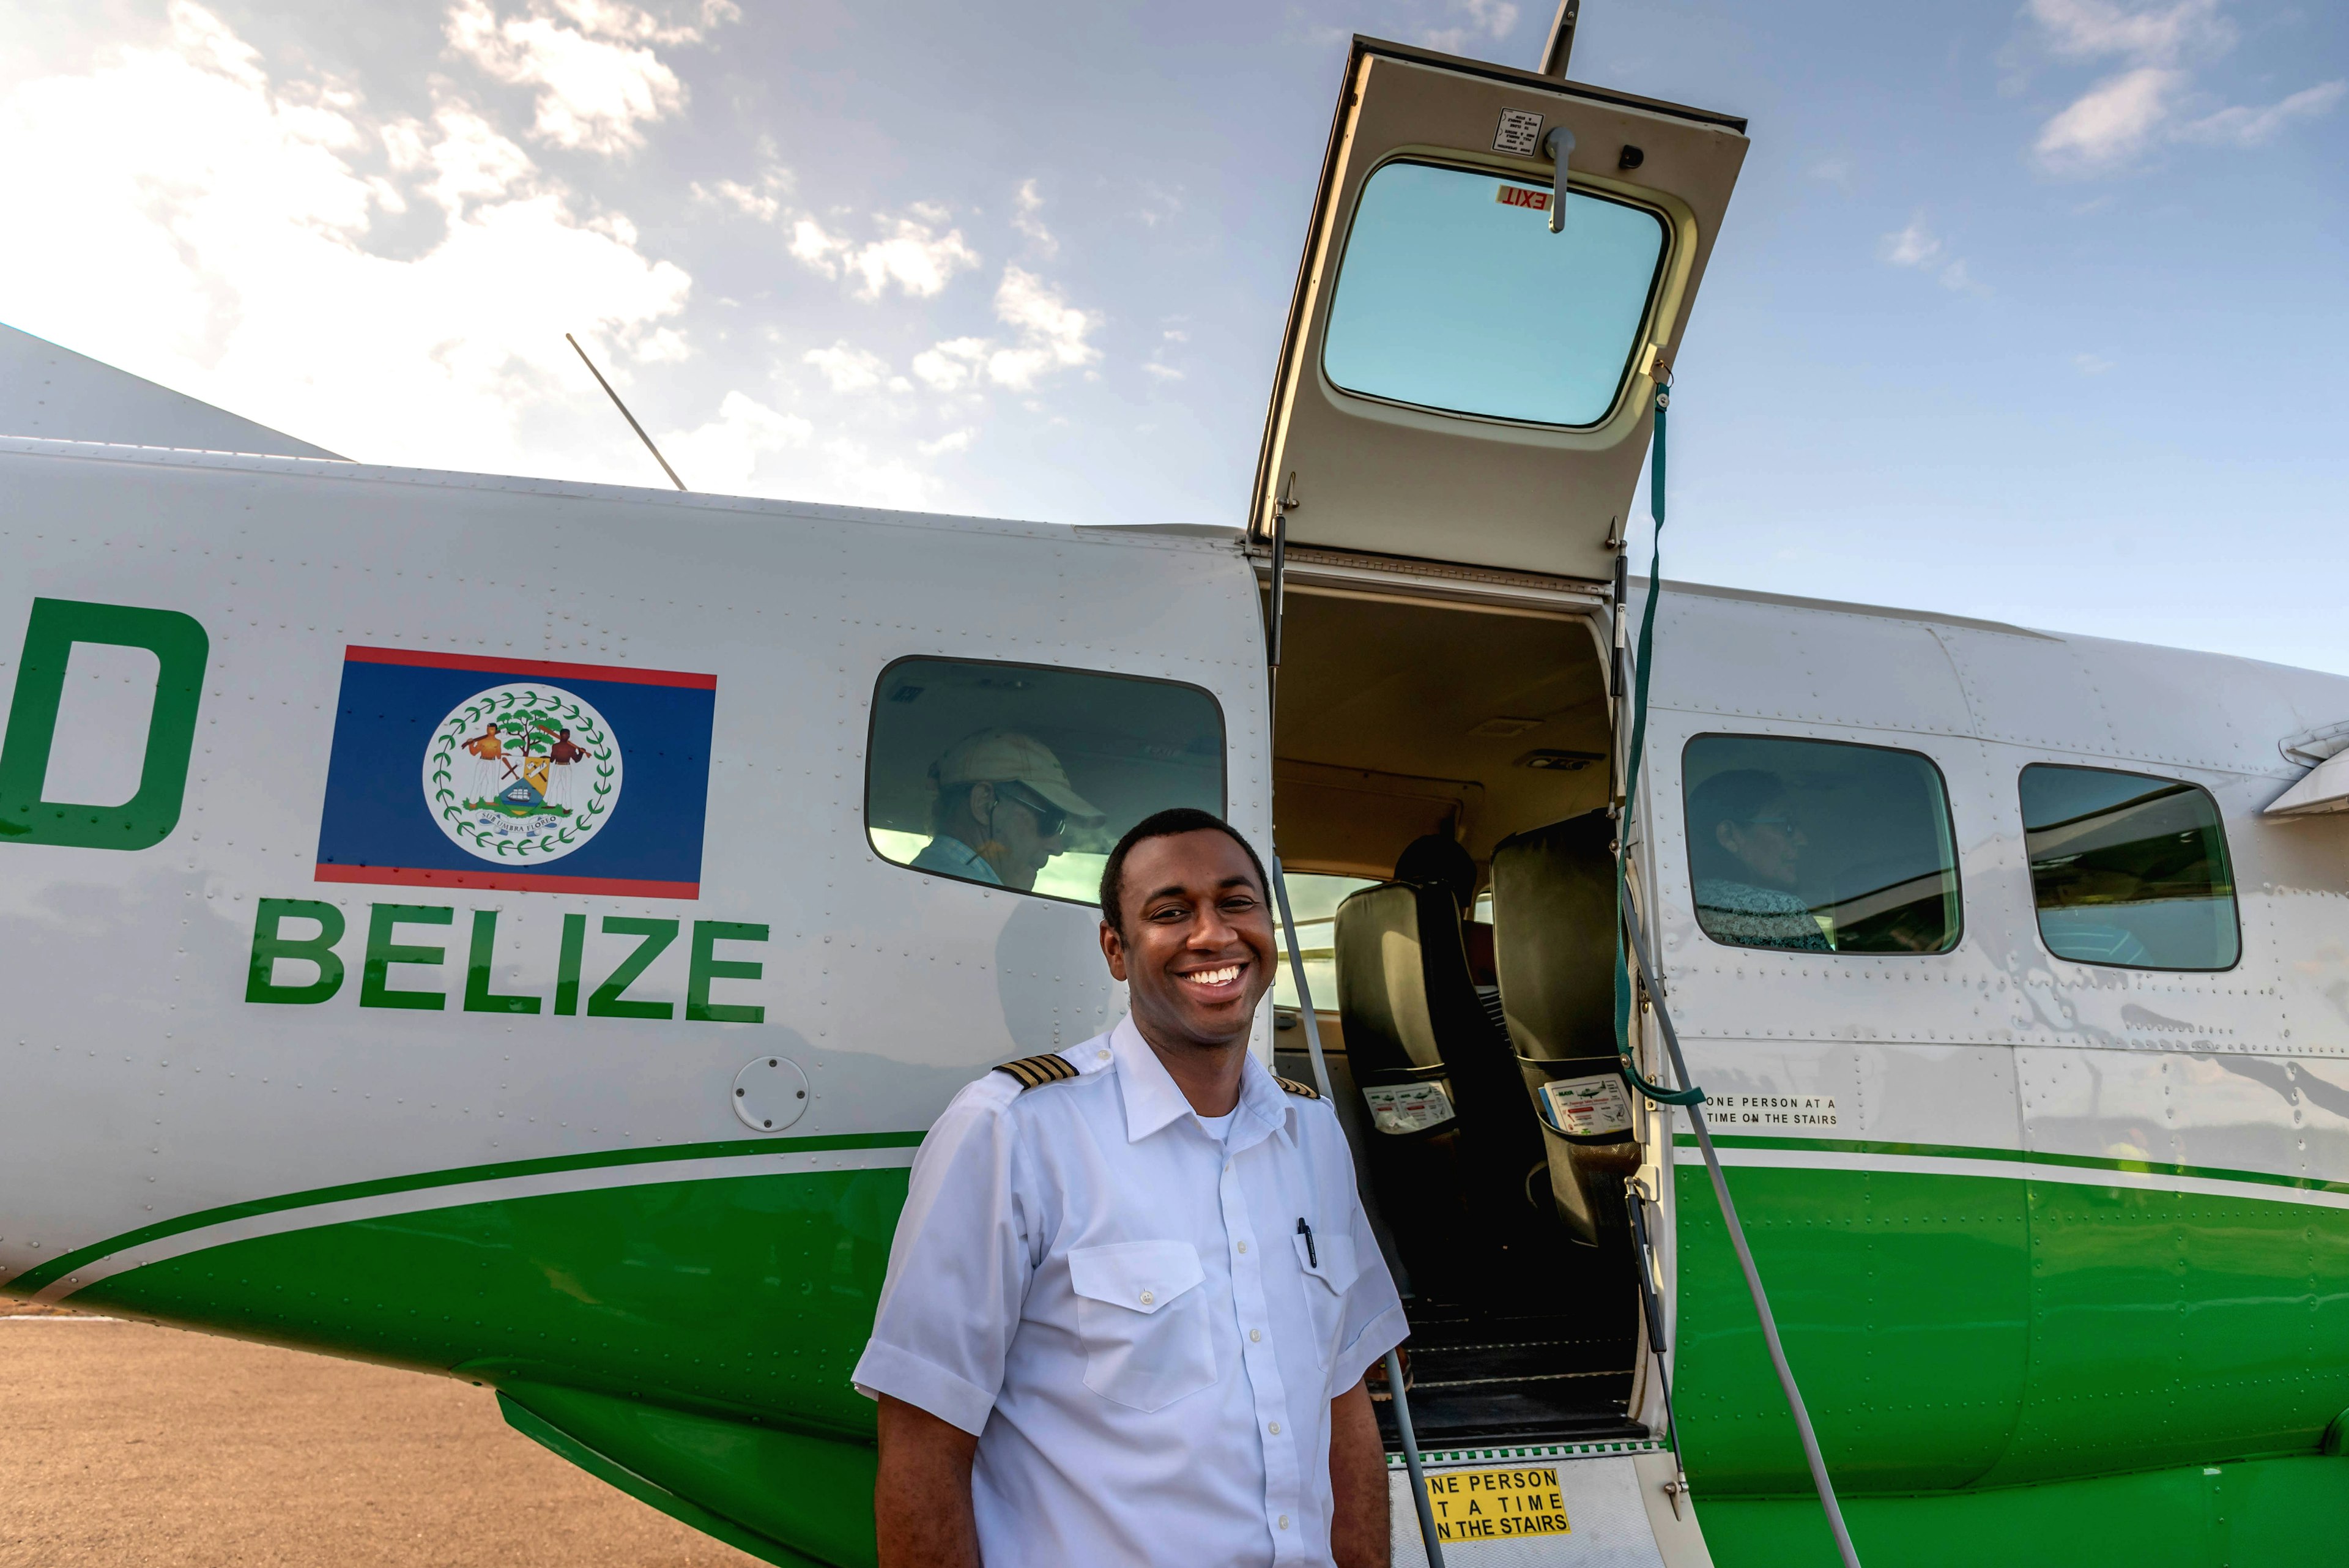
(1024, 777)
(1314, 897)
(1820, 847)
(2128, 869)
(1453, 295)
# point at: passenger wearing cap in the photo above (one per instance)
(1003, 809)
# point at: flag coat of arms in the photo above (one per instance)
(449, 770)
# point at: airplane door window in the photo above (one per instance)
(1456, 295)
(2128, 869)
(1819, 846)
(1025, 776)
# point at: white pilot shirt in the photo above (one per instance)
(1120, 1305)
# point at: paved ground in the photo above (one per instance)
(123, 1445)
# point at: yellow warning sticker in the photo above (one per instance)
(1494, 1505)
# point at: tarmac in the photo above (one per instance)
(128, 1446)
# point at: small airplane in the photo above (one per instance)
(2012, 965)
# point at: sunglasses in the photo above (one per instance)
(1051, 820)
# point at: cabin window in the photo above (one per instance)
(1819, 846)
(1454, 295)
(1025, 776)
(2128, 869)
(1313, 898)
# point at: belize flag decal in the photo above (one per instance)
(453, 770)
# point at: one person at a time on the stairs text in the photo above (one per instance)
(1133, 1294)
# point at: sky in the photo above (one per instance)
(2026, 311)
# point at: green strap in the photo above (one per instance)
(1640, 659)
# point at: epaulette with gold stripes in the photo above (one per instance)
(1034, 1071)
(1305, 1091)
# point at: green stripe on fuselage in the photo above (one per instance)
(1956, 1329)
(36, 1279)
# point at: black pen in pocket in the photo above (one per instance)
(1312, 1259)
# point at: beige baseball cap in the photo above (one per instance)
(1001, 756)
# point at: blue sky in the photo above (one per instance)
(2027, 311)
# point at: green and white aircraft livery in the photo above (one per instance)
(556, 1002)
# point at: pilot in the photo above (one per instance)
(1002, 810)
(1133, 1294)
(1746, 852)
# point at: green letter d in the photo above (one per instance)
(146, 818)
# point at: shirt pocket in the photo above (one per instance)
(1143, 1319)
(1330, 1269)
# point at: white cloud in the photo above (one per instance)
(1164, 372)
(1918, 246)
(2255, 127)
(952, 365)
(1049, 335)
(1913, 247)
(953, 441)
(2112, 122)
(910, 252)
(763, 201)
(1027, 206)
(2090, 29)
(849, 369)
(1487, 20)
(2091, 364)
(724, 454)
(211, 230)
(1052, 332)
(2122, 117)
(597, 81)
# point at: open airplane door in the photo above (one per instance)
(1466, 373)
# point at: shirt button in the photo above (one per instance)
(1103, 1055)
(1256, 1335)
(1275, 1428)
(1284, 1521)
(1147, 1298)
(1243, 1246)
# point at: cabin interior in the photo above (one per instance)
(1440, 786)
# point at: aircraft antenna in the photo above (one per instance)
(1560, 47)
(649, 447)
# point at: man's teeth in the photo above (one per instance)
(1224, 976)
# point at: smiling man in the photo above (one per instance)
(1133, 1294)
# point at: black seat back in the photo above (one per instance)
(1411, 1015)
(1404, 990)
(1554, 951)
(1554, 938)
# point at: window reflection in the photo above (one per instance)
(1819, 846)
(1024, 777)
(2128, 869)
(1454, 295)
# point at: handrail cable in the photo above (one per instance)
(1688, 1096)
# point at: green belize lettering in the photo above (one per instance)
(275, 945)
(270, 944)
(707, 967)
(566, 968)
(605, 999)
(478, 997)
(382, 953)
(181, 648)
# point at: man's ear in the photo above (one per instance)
(1113, 950)
(980, 802)
(1726, 833)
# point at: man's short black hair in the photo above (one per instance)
(1166, 825)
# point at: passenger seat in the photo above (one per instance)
(1455, 1136)
(1554, 953)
